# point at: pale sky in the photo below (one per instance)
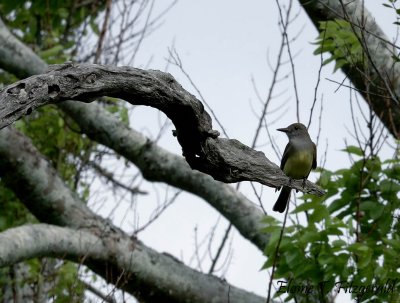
(222, 45)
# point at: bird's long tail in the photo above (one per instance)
(283, 199)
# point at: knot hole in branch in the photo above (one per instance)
(91, 78)
(16, 89)
(53, 90)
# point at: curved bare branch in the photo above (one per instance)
(126, 260)
(225, 160)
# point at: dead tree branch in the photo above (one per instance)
(225, 160)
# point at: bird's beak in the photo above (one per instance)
(285, 130)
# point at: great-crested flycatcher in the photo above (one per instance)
(299, 157)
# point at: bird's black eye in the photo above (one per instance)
(296, 127)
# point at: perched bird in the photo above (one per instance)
(299, 157)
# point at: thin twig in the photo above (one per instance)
(286, 36)
(157, 212)
(220, 248)
(276, 255)
(103, 32)
(176, 60)
(104, 297)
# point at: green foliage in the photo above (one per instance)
(50, 27)
(392, 5)
(58, 138)
(352, 233)
(59, 279)
(68, 289)
(117, 108)
(12, 213)
(341, 40)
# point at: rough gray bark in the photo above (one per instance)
(108, 251)
(126, 254)
(16, 57)
(224, 159)
(42, 240)
(377, 78)
(12, 49)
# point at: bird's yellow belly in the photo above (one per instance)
(298, 166)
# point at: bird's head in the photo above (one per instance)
(294, 130)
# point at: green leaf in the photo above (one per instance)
(124, 115)
(358, 247)
(389, 186)
(293, 257)
(305, 206)
(51, 52)
(381, 272)
(337, 204)
(327, 61)
(332, 230)
(324, 178)
(63, 12)
(339, 64)
(61, 140)
(94, 26)
(395, 243)
(365, 259)
(350, 226)
(339, 243)
(3, 224)
(305, 270)
(393, 172)
(320, 212)
(270, 229)
(269, 220)
(60, 122)
(351, 149)
(309, 237)
(374, 209)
